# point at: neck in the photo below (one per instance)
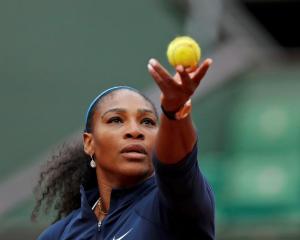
(106, 184)
(105, 194)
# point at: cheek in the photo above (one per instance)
(152, 139)
(105, 145)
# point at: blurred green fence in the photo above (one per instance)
(255, 166)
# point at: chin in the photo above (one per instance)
(136, 172)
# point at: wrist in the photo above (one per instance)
(171, 104)
(179, 113)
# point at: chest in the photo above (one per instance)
(129, 226)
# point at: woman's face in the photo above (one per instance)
(123, 137)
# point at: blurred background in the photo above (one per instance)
(55, 56)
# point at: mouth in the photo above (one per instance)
(134, 151)
(134, 148)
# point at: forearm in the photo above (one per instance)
(175, 139)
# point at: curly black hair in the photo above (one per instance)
(59, 182)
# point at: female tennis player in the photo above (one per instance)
(133, 177)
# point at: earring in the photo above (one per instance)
(92, 162)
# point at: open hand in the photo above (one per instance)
(177, 89)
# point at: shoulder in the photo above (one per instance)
(55, 230)
(183, 167)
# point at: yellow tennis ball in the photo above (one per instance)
(184, 51)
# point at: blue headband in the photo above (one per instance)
(101, 95)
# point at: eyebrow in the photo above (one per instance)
(144, 110)
(114, 110)
(140, 110)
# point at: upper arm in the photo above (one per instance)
(185, 193)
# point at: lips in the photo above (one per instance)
(134, 148)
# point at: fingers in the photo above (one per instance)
(162, 83)
(191, 69)
(156, 77)
(161, 71)
(185, 81)
(198, 75)
(185, 77)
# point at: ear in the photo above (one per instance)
(88, 143)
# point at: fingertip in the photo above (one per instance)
(209, 61)
(191, 69)
(152, 61)
(179, 68)
(150, 68)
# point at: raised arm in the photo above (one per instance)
(185, 201)
(179, 135)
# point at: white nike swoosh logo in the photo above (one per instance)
(122, 235)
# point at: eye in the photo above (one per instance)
(148, 122)
(115, 120)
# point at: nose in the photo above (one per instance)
(134, 132)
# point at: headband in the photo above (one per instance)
(101, 95)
